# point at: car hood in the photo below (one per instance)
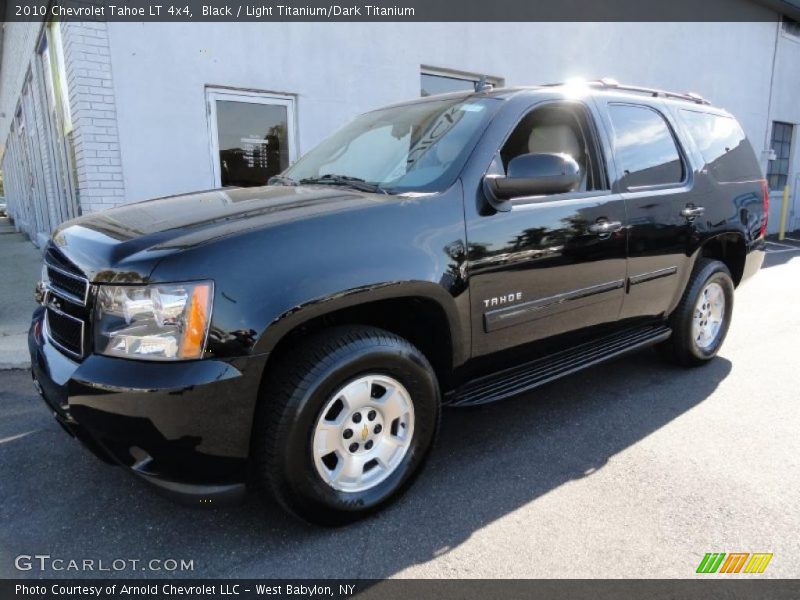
(125, 243)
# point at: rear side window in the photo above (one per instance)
(723, 145)
(644, 147)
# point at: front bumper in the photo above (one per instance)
(183, 426)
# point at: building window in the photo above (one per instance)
(252, 136)
(440, 81)
(778, 169)
(791, 27)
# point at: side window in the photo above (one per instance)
(723, 145)
(644, 147)
(556, 129)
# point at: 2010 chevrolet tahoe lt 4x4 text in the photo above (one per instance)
(453, 250)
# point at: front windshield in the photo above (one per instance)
(415, 147)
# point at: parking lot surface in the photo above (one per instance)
(630, 469)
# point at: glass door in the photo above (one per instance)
(252, 136)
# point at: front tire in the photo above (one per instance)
(701, 320)
(344, 424)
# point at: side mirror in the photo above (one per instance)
(532, 175)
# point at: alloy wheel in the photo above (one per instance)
(709, 315)
(363, 433)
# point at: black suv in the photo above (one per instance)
(449, 251)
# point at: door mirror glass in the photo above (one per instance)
(534, 175)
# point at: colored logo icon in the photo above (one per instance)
(736, 562)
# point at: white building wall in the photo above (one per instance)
(341, 70)
(137, 91)
(19, 46)
(786, 108)
(36, 201)
(94, 118)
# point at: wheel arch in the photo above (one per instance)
(423, 314)
(728, 248)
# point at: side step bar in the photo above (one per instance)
(523, 378)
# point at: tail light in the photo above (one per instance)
(765, 200)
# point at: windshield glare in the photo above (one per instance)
(416, 147)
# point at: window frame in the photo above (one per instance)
(788, 158)
(594, 130)
(216, 93)
(682, 155)
(55, 44)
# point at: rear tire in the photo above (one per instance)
(702, 318)
(345, 422)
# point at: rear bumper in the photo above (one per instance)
(184, 427)
(753, 261)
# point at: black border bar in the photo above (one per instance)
(401, 10)
(728, 587)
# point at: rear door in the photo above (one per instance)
(655, 179)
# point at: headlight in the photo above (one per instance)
(155, 322)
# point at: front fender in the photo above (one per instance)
(270, 280)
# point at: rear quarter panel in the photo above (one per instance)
(729, 187)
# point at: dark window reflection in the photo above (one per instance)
(645, 147)
(253, 142)
(722, 144)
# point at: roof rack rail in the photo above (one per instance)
(609, 83)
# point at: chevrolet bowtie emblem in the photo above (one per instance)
(365, 433)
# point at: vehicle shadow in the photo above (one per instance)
(776, 259)
(489, 462)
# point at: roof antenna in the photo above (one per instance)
(482, 86)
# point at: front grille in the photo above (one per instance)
(66, 304)
(65, 278)
(66, 331)
(66, 283)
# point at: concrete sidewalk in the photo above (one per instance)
(20, 269)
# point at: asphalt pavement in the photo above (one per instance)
(630, 469)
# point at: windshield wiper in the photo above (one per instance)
(345, 180)
(281, 180)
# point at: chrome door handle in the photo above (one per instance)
(692, 211)
(604, 227)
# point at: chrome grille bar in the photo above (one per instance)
(69, 295)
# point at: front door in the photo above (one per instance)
(552, 264)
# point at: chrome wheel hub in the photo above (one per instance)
(709, 315)
(363, 433)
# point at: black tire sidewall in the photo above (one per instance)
(309, 494)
